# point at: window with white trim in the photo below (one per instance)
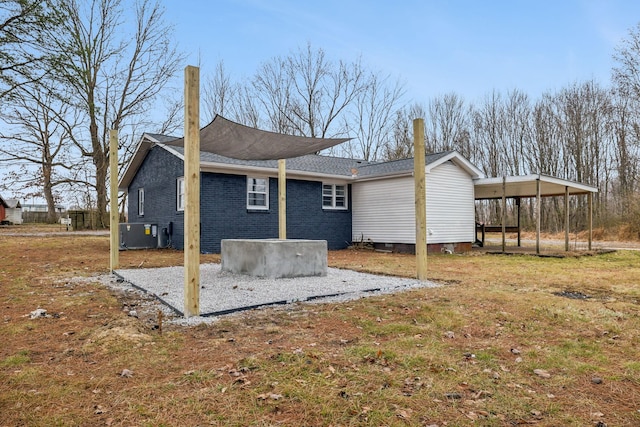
(257, 193)
(334, 196)
(140, 201)
(180, 194)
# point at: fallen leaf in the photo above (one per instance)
(405, 414)
(542, 373)
(126, 373)
(272, 396)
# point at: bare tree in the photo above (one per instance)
(40, 132)
(219, 94)
(306, 94)
(370, 119)
(626, 72)
(22, 26)
(448, 125)
(517, 131)
(400, 146)
(114, 75)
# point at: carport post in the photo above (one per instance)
(538, 218)
(590, 217)
(504, 214)
(566, 218)
(420, 188)
(113, 198)
(192, 191)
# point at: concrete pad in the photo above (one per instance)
(274, 258)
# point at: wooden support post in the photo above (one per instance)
(590, 217)
(420, 188)
(282, 199)
(566, 218)
(504, 214)
(192, 191)
(518, 203)
(113, 199)
(538, 216)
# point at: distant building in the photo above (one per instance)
(10, 211)
(40, 207)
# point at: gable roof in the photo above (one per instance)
(311, 165)
(405, 166)
(3, 203)
(13, 204)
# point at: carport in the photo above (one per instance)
(534, 186)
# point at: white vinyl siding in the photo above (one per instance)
(384, 210)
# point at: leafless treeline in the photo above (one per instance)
(584, 132)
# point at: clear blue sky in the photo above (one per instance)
(435, 46)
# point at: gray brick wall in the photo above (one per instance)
(157, 175)
(224, 213)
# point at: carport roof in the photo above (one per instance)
(526, 186)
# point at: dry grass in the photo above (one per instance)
(461, 354)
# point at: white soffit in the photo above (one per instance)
(526, 186)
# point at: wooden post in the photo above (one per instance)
(590, 217)
(420, 188)
(538, 216)
(504, 214)
(192, 191)
(518, 203)
(113, 202)
(282, 199)
(566, 218)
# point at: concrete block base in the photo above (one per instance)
(274, 258)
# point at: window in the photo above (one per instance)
(141, 201)
(257, 193)
(334, 196)
(180, 193)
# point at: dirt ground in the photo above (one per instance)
(435, 357)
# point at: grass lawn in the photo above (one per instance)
(506, 340)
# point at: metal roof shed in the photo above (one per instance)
(538, 186)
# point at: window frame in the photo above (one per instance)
(252, 191)
(335, 197)
(141, 201)
(180, 200)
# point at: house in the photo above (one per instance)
(3, 211)
(13, 211)
(339, 200)
(41, 207)
(10, 211)
(343, 201)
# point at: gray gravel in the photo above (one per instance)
(223, 293)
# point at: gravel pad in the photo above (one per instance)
(223, 293)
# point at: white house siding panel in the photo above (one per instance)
(14, 215)
(450, 205)
(384, 210)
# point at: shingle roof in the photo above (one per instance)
(396, 166)
(161, 138)
(309, 163)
